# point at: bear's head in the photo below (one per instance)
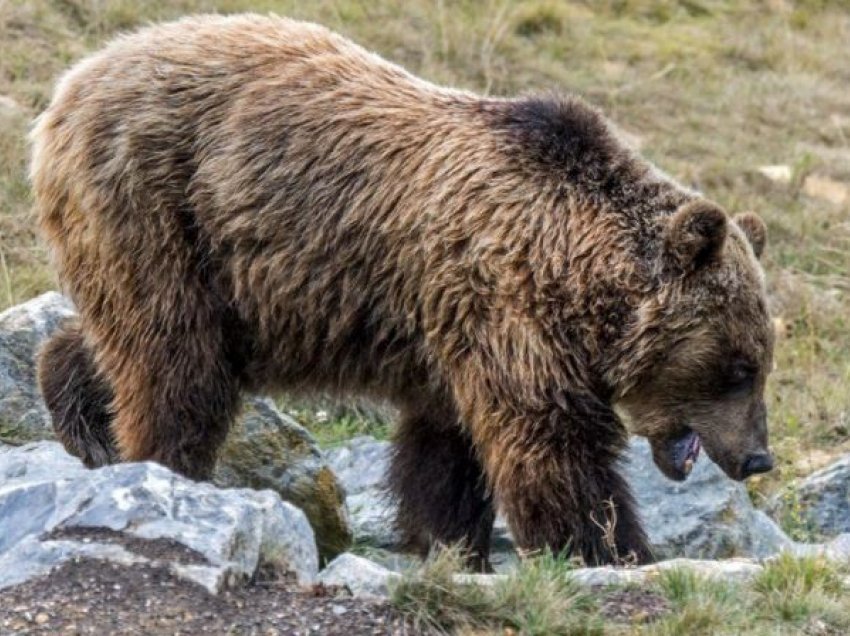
(704, 339)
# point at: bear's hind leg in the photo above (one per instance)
(77, 396)
(164, 348)
(439, 487)
(175, 398)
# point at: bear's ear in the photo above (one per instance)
(754, 229)
(695, 235)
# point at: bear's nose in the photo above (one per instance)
(758, 463)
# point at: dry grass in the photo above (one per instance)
(711, 89)
(790, 596)
(538, 599)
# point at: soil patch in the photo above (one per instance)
(153, 549)
(633, 605)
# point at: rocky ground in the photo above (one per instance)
(87, 596)
(136, 548)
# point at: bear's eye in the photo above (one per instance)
(740, 377)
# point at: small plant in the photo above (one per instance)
(787, 573)
(608, 526)
(794, 589)
(801, 169)
(332, 423)
(701, 605)
(695, 595)
(539, 598)
(542, 598)
(434, 601)
(794, 518)
(540, 19)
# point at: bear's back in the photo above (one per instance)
(306, 175)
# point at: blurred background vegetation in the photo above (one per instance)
(713, 91)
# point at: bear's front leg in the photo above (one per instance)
(554, 476)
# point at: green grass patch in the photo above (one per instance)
(333, 421)
(700, 606)
(791, 596)
(538, 599)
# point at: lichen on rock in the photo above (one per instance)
(267, 449)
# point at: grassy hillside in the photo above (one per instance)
(710, 89)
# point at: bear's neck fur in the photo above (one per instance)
(591, 228)
(566, 143)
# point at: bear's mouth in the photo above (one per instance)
(685, 452)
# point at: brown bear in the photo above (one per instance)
(253, 203)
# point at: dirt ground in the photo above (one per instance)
(87, 596)
(633, 605)
(95, 597)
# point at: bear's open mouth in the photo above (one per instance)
(686, 451)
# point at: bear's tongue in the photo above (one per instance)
(687, 451)
(693, 452)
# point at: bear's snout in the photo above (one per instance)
(756, 463)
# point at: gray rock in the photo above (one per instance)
(53, 509)
(709, 516)
(766, 536)
(391, 559)
(503, 557)
(373, 519)
(836, 549)
(267, 449)
(731, 570)
(821, 500)
(361, 465)
(480, 580)
(736, 570)
(779, 173)
(362, 577)
(23, 416)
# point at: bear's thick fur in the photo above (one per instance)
(254, 203)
